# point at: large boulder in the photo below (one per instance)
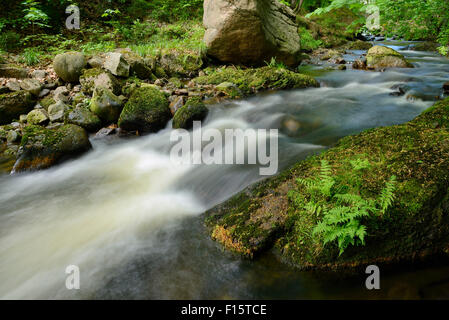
(251, 31)
(13, 104)
(193, 110)
(380, 57)
(41, 147)
(282, 211)
(69, 66)
(146, 111)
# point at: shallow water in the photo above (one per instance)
(131, 219)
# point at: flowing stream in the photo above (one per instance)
(131, 219)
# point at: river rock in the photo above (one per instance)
(56, 111)
(38, 116)
(116, 64)
(69, 66)
(380, 57)
(147, 110)
(33, 86)
(84, 118)
(106, 105)
(177, 103)
(13, 104)
(61, 94)
(42, 148)
(137, 65)
(177, 63)
(251, 31)
(13, 85)
(39, 74)
(93, 78)
(193, 110)
(446, 88)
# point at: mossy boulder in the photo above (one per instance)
(137, 65)
(250, 81)
(46, 102)
(176, 63)
(106, 105)
(84, 118)
(193, 110)
(13, 104)
(415, 226)
(41, 148)
(147, 110)
(69, 66)
(380, 57)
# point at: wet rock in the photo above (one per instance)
(177, 103)
(38, 116)
(84, 118)
(69, 66)
(193, 110)
(446, 88)
(116, 64)
(359, 64)
(380, 57)
(251, 31)
(12, 105)
(147, 110)
(106, 105)
(42, 147)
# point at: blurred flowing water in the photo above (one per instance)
(131, 219)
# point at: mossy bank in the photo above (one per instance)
(416, 225)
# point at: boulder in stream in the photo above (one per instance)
(380, 57)
(41, 148)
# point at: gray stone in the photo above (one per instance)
(251, 31)
(38, 116)
(116, 64)
(33, 86)
(56, 111)
(69, 66)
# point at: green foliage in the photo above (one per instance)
(31, 56)
(339, 214)
(9, 40)
(308, 43)
(34, 15)
(274, 64)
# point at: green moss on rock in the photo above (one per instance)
(13, 104)
(254, 80)
(146, 111)
(193, 110)
(42, 148)
(417, 224)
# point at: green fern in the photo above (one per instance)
(340, 213)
